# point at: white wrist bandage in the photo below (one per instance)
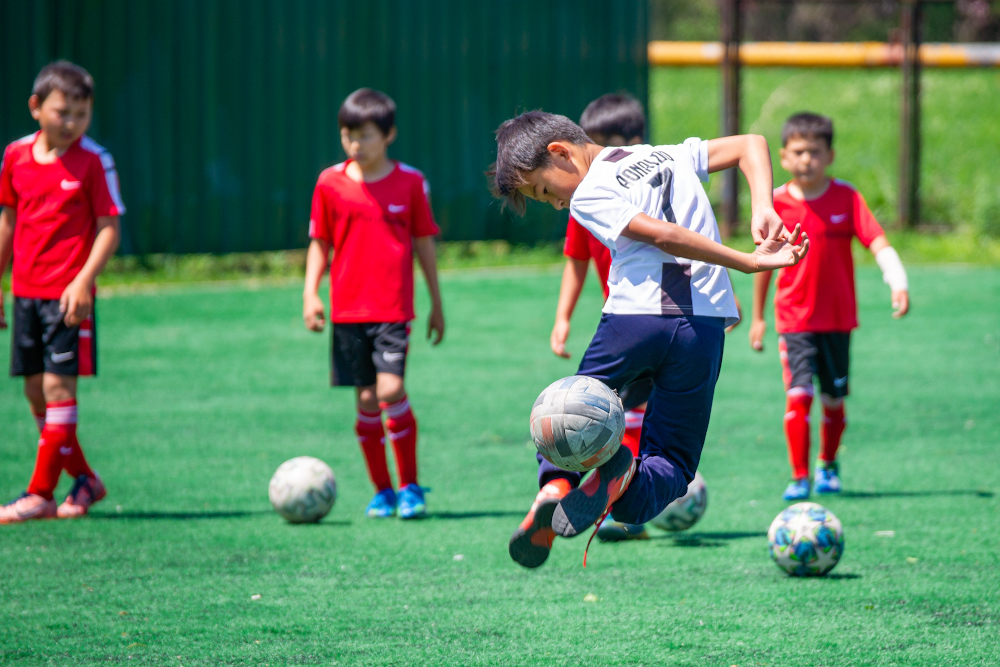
(893, 273)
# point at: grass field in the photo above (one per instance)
(204, 391)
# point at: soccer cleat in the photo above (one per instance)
(584, 506)
(382, 505)
(618, 531)
(85, 492)
(531, 542)
(28, 506)
(827, 478)
(798, 489)
(411, 502)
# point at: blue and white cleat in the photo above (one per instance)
(411, 502)
(382, 505)
(798, 489)
(827, 478)
(618, 531)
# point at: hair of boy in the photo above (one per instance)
(614, 113)
(71, 80)
(806, 124)
(522, 147)
(367, 105)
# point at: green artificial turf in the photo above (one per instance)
(205, 391)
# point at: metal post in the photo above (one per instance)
(909, 139)
(730, 15)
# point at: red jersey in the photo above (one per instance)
(57, 207)
(584, 246)
(371, 228)
(817, 294)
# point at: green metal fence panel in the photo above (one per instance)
(222, 113)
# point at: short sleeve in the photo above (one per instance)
(603, 207)
(319, 217)
(8, 197)
(576, 246)
(697, 150)
(102, 187)
(423, 218)
(866, 227)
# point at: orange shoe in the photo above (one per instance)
(531, 542)
(28, 506)
(85, 492)
(584, 506)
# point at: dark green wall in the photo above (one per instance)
(221, 113)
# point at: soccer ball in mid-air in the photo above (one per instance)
(577, 423)
(303, 490)
(685, 511)
(806, 540)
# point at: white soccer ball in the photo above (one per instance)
(577, 423)
(806, 540)
(685, 511)
(303, 490)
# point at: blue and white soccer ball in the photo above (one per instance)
(685, 511)
(577, 423)
(806, 540)
(303, 490)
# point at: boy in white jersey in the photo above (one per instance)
(670, 300)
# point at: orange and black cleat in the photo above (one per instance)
(531, 542)
(582, 507)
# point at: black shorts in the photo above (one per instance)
(360, 350)
(825, 355)
(42, 343)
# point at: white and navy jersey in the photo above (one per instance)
(664, 182)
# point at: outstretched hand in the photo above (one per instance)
(781, 251)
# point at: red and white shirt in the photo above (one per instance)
(817, 294)
(371, 227)
(584, 246)
(57, 207)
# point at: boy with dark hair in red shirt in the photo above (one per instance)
(373, 213)
(60, 199)
(814, 306)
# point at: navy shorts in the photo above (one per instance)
(825, 356)
(359, 351)
(42, 343)
(681, 356)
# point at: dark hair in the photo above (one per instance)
(71, 80)
(364, 105)
(806, 124)
(522, 147)
(614, 113)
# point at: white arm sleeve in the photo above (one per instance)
(893, 273)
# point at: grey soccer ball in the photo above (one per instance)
(577, 423)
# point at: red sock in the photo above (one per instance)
(797, 431)
(53, 445)
(64, 413)
(834, 423)
(633, 430)
(402, 429)
(39, 419)
(371, 437)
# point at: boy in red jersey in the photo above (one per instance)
(374, 214)
(814, 306)
(60, 199)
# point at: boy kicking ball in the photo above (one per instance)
(372, 212)
(670, 300)
(59, 193)
(814, 306)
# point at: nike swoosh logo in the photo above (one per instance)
(840, 382)
(70, 185)
(65, 451)
(397, 208)
(835, 219)
(393, 356)
(59, 357)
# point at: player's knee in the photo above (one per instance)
(58, 387)
(796, 392)
(367, 399)
(390, 388)
(830, 402)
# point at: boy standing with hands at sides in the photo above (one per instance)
(814, 306)
(670, 300)
(60, 223)
(373, 213)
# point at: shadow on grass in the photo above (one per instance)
(708, 539)
(842, 575)
(915, 494)
(177, 515)
(472, 515)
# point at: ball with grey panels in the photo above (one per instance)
(577, 423)
(303, 490)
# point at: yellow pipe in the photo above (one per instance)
(823, 54)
